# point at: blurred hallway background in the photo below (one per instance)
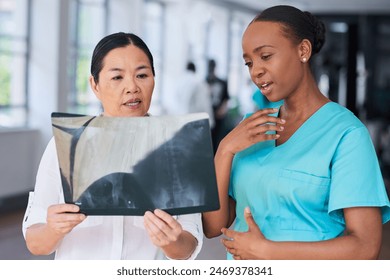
(45, 51)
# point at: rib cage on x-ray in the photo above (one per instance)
(125, 166)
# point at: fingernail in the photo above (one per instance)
(282, 120)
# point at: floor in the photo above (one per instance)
(12, 245)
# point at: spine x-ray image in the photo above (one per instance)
(126, 166)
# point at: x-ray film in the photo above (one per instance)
(126, 166)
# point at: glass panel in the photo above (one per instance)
(13, 117)
(7, 9)
(91, 24)
(5, 80)
(153, 30)
(13, 62)
(18, 82)
(241, 87)
(90, 21)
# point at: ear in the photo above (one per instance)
(305, 50)
(94, 86)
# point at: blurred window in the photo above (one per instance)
(14, 52)
(89, 23)
(153, 34)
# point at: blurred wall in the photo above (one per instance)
(18, 161)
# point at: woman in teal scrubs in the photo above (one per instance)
(301, 181)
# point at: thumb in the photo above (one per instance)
(249, 219)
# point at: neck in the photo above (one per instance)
(303, 103)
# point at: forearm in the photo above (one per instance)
(215, 220)
(182, 248)
(361, 240)
(41, 240)
(346, 247)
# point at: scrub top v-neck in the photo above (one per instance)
(297, 190)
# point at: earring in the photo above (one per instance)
(304, 59)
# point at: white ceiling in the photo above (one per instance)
(323, 6)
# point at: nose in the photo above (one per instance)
(131, 85)
(257, 71)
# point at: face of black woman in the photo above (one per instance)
(274, 62)
(126, 83)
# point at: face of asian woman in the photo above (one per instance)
(126, 83)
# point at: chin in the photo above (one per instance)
(130, 112)
(270, 99)
(134, 114)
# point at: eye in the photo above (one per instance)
(266, 56)
(117, 78)
(248, 64)
(142, 76)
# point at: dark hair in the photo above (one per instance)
(191, 66)
(297, 25)
(211, 65)
(113, 41)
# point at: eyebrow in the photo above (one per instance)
(257, 49)
(116, 69)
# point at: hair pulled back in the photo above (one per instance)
(297, 25)
(113, 41)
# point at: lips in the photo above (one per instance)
(264, 84)
(132, 102)
(265, 87)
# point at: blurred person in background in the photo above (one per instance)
(219, 98)
(192, 95)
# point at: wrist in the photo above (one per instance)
(268, 249)
(263, 250)
(224, 150)
(182, 248)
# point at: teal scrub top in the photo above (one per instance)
(297, 191)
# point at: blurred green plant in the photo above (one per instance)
(5, 81)
(82, 80)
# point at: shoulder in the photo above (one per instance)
(49, 160)
(353, 137)
(52, 144)
(51, 149)
(341, 118)
(334, 125)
